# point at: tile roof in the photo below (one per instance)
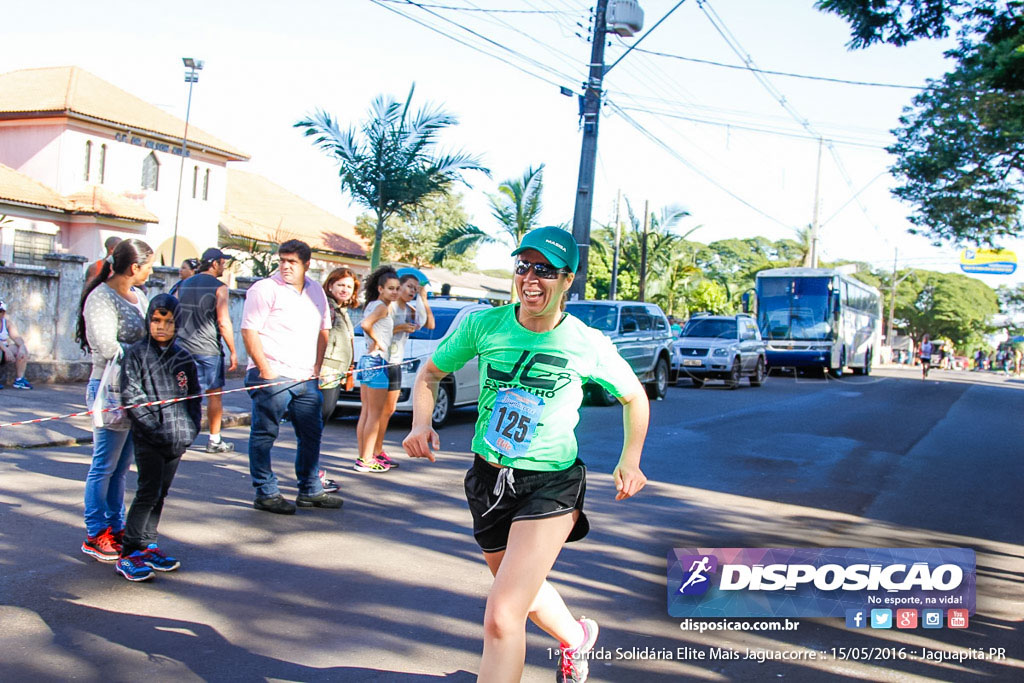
(258, 209)
(18, 187)
(97, 200)
(70, 90)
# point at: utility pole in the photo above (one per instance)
(588, 154)
(194, 66)
(643, 252)
(892, 297)
(613, 288)
(814, 222)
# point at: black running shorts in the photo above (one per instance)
(528, 495)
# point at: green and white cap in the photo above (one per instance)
(557, 245)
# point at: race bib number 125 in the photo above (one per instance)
(513, 421)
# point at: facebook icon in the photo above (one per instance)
(856, 618)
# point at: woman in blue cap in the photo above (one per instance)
(526, 486)
(409, 315)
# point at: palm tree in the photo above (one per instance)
(516, 206)
(388, 164)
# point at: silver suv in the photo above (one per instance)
(720, 347)
(640, 332)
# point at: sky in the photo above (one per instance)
(738, 152)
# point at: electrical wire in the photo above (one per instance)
(660, 143)
(487, 10)
(787, 74)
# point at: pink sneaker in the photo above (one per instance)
(384, 459)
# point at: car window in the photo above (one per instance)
(658, 320)
(640, 315)
(710, 327)
(598, 316)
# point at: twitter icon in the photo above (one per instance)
(881, 618)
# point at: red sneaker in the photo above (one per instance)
(384, 459)
(102, 546)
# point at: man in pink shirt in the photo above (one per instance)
(285, 325)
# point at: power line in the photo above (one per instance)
(383, 4)
(660, 143)
(780, 73)
(726, 124)
(487, 10)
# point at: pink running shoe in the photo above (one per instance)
(384, 459)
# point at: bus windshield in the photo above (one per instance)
(794, 308)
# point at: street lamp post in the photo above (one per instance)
(194, 66)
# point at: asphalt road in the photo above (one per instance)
(391, 588)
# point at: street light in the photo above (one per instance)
(194, 66)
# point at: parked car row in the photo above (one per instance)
(709, 347)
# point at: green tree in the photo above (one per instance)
(388, 164)
(515, 206)
(960, 146)
(413, 238)
(947, 305)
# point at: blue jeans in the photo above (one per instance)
(302, 402)
(112, 454)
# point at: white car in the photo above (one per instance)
(461, 388)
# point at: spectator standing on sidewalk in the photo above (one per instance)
(188, 268)
(96, 266)
(156, 369)
(13, 350)
(285, 326)
(342, 289)
(206, 322)
(111, 318)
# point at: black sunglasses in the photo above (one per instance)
(542, 270)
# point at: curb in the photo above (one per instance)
(228, 420)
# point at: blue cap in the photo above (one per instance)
(402, 272)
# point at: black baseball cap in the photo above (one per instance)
(214, 254)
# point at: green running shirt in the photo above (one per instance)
(552, 365)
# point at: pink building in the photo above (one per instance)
(81, 160)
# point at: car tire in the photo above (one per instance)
(443, 406)
(698, 382)
(866, 370)
(838, 372)
(757, 379)
(658, 389)
(733, 380)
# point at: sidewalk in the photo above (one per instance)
(47, 400)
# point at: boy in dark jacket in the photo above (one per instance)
(156, 369)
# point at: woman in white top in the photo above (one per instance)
(926, 356)
(409, 315)
(374, 380)
(112, 317)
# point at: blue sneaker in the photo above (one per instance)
(156, 559)
(133, 567)
(21, 383)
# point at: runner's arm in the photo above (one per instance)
(636, 413)
(424, 394)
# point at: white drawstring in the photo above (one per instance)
(505, 478)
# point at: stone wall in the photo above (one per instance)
(43, 303)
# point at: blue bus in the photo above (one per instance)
(819, 318)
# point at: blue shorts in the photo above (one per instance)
(211, 371)
(370, 374)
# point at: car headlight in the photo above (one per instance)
(720, 352)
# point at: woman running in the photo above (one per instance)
(112, 317)
(409, 316)
(526, 486)
(376, 377)
(342, 288)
